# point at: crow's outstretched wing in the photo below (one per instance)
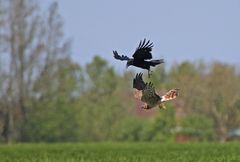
(149, 95)
(138, 82)
(170, 95)
(118, 57)
(143, 51)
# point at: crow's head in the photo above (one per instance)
(129, 63)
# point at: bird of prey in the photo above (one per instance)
(141, 57)
(147, 94)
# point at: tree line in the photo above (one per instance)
(46, 96)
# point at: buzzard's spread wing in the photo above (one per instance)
(138, 82)
(170, 95)
(118, 57)
(139, 85)
(143, 51)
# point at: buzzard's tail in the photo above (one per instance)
(156, 62)
(170, 95)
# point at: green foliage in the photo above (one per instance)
(119, 152)
(52, 116)
(78, 104)
(101, 107)
(159, 127)
(197, 126)
(129, 129)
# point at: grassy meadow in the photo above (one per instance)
(120, 152)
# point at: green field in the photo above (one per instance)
(116, 152)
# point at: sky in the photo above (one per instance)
(181, 30)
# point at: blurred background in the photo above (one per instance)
(59, 81)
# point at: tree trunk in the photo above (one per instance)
(8, 129)
(222, 133)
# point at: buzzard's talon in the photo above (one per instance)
(149, 73)
(162, 106)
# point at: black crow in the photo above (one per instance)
(140, 56)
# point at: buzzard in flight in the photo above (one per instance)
(141, 57)
(147, 94)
